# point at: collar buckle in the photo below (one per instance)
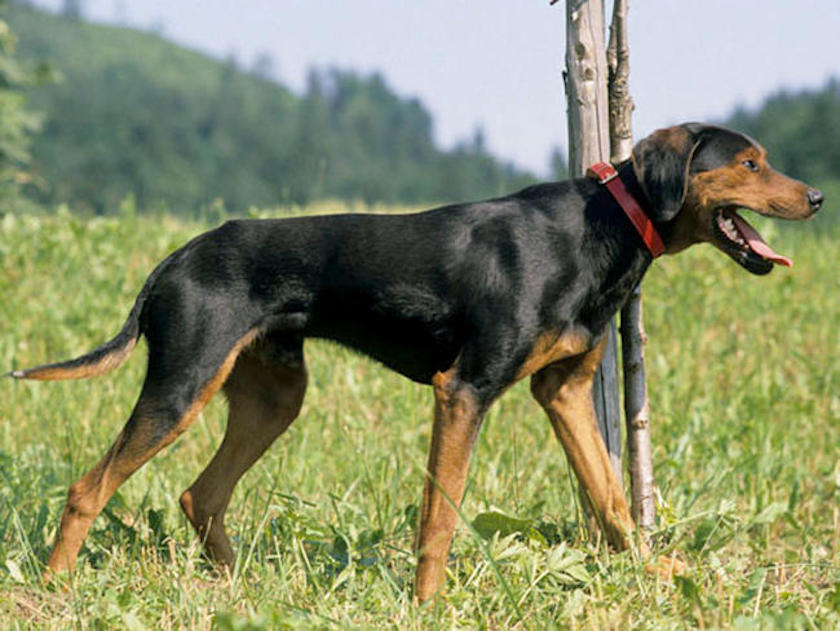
(602, 171)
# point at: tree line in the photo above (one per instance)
(126, 113)
(134, 114)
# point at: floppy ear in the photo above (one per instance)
(661, 162)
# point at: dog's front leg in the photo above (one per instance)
(457, 419)
(564, 390)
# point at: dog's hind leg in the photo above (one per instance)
(265, 392)
(178, 385)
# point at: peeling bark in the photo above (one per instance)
(636, 410)
(586, 92)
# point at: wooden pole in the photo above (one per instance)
(586, 92)
(636, 410)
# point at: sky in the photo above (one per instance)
(498, 63)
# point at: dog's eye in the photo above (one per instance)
(752, 166)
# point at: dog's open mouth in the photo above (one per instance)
(743, 243)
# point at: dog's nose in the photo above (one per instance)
(815, 198)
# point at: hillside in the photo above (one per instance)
(801, 130)
(134, 113)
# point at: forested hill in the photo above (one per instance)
(134, 113)
(800, 130)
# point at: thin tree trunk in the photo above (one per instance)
(636, 409)
(620, 102)
(586, 92)
(586, 85)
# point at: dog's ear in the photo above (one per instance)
(661, 162)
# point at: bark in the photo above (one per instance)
(586, 84)
(586, 91)
(636, 410)
(620, 102)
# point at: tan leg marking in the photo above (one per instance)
(564, 390)
(264, 400)
(87, 496)
(551, 347)
(457, 419)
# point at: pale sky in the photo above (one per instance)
(498, 63)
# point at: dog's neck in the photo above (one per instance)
(623, 256)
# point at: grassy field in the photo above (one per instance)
(745, 394)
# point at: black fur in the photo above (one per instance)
(477, 282)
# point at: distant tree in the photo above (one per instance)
(479, 141)
(263, 67)
(308, 158)
(157, 27)
(120, 12)
(558, 168)
(17, 123)
(72, 9)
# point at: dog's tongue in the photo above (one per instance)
(757, 244)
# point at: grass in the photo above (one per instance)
(745, 396)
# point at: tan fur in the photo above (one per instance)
(551, 347)
(88, 496)
(108, 362)
(564, 390)
(264, 400)
(765, 191)
(457, 419)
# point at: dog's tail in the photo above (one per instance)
(100, 360)
(105, 357)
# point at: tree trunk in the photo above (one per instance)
(636, 412)
(586, 92)
(586, 85)
(636, 409)
(620, 101)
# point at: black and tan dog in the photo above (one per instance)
(469, 298)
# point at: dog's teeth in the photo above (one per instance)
(729, 229)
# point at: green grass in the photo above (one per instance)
(745, 395)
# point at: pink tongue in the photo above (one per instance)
(757, 244)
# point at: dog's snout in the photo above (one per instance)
(815, 198)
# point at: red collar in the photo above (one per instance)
(608, 176)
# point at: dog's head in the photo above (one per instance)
(696, 177)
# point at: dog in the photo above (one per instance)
(468, 298)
